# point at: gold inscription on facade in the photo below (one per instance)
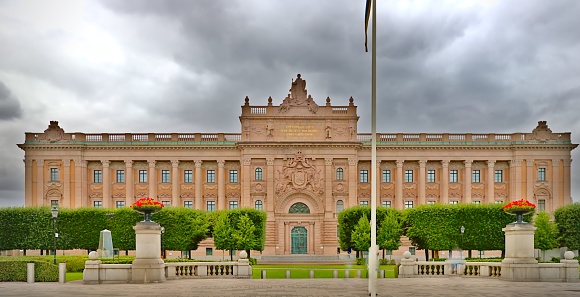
(299, 130)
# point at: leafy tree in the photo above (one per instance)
(389, 234)
(244, 234)
(223, 233)
(546, 235)
(567, 220)
(361, 236)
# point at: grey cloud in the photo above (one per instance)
(9, 105)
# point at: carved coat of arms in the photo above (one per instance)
(299, 174)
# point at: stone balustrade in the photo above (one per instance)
(184, 270)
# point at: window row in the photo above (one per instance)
(453, 176)
(165, 176)
(409, 204)
(210, 205)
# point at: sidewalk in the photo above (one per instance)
(453, 286)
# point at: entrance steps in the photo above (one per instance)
(325, 259)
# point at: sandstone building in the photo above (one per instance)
(300, 162)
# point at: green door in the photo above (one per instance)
(299, 240)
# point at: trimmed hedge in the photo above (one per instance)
(15, 271)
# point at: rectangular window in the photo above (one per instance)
(187, 176)
(165, 177)
(454, 202)
(210, 205)
(475, 176)
(166, 203)
(541, 174)
(430, 176)
(120, 176)
(53, 203)
(188, 204)
(258, 205)
(258, 174)
(98, 204)
(386, 176)
(498, 201)
(541, 205)
(364, 202)
(477, 202)
(97, 176)
(119, 204)
(142, 176)
(233, 176)
(233, 204)
(208, 251)
(430, 202)
(210, 175)
(408, 176)
(499, 176)
(412, 250)
(364, 176)
(453, 176)
(408, 204)
(339, 174)
(386, 204)
(53, 174)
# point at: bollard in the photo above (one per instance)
(61, 273)
(358, 273)
(347, 273)
(335, 274)
(382, 273)
(30, 273)
(264, 274)
(287, 273)
(311, 273)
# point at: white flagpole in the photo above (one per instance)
(372, 257)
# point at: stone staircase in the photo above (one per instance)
(324, 259)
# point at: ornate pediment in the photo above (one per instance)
(298, 97)
(542, 132)
(54, 133)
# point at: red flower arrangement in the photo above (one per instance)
(147, 203)
(521, 205)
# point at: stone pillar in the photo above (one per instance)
(148, 266)
(78, 183)
(519, 263)
(567, 186)
(66, 189)
(28, 182)
(107, 199)
(352, 182)
(39, 182)
(556, 196)
(517, 179)
(530, 180)
(422, 170)
(490, 193)
(175, 184)
(129, 183)
(445, 182)
(198, 185)
(246, 177)
(399, 186)
(84, 197)
(269, 203)
(467, 181)
(152, 179)
(221, 175)
(407, 268)
(571, 268)
(328, 187)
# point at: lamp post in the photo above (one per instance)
(462, 231)
(54, 212)
(162, 250)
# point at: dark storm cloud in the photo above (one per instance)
(9, 105)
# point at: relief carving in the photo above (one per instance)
(454, 186)
(432, 186)
(340, 188)
(119, 195)
(233, 195)
(54, 133)
(499, 186)
(188, 187)
(187, 195)
(542, 133)
(165, 187)
(96, 195)
(477, 186)
(210, 186)
(118, 186)
(258, 188)
(409, 195)
(142, 186)
(164, 195)
(409, 186)
(299, 174)
(96, 187)
(233, 186)
(387, 186)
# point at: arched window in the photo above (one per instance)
(258, 175)
(258, 205)
(299, 207)
(339, 206)
(339, 173)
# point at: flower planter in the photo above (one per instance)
(147, 212)
(147, 206)
(519, 208)
(519, 213)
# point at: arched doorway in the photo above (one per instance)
(299, 240)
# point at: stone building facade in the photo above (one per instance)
(300, 162)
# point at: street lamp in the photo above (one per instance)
(162, 250)
(54, 212)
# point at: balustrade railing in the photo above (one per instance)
(181, 270)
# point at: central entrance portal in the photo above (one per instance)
(299, 240)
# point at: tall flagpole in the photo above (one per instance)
(373, 251)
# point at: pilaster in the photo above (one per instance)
(352, 182)
(152, 179)
(445, 182)
(399, 185)
(107, 199)
(198, 201)
(175, 184)
(221, 185)
(490, 193)
(66, 189)
(467, 181)
(39, 182)
(422, 179)
(129, 184)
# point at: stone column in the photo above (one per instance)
(422, 178)
(78, 184)
(148, 267)
(84, 197)
(399, 186)
(198, 185)
(556, 196)
(28, 182)
(379, 179)
(175, 184)
(445, 182)
(519, 263)
(567, 186)
(490, 195)
(328, 187)
(467, 181)
(66, 189)
(107, 201)
(129, 183)
(530, 180)
(516, 179)
(152, 179)
(246, 199)
(352, 182)
(221, 185)
(269, 203)
(39, 182)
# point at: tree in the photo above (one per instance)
(361, 236)
(244, 234)
(568, 223)
(546, 235)
(223, 232)
(389, 234)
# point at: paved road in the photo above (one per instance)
(298, 287)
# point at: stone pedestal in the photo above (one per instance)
(407, 268)
(91, 272)
(519, 263)
(148, 266)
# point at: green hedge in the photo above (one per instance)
(15, 271)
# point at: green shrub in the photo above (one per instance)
(253, 261)
(386, 262)
(360, 261)
(397, 270)
(15, 271)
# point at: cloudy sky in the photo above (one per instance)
(186, 66)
